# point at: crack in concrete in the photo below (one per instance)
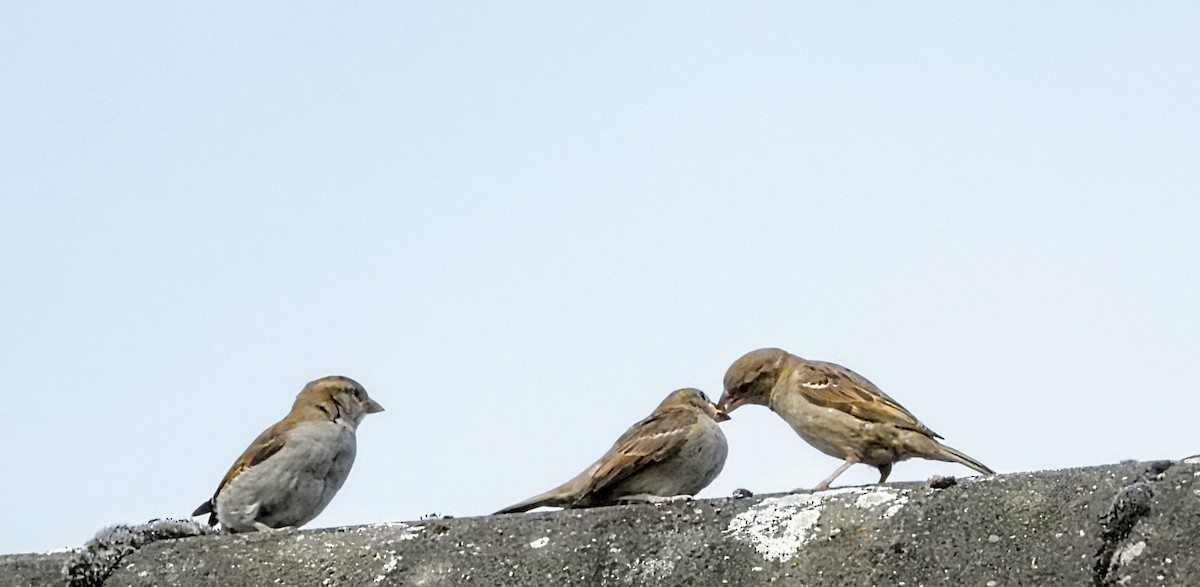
(91, 565)
(1130, 504)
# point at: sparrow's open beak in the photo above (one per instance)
(728, 404)
(721, 415)
(373, 407)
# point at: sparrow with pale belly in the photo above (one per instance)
(837, 411)
(294, 468)
(671, 455)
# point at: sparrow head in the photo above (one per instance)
(693, 398)
(335, 398)
(750, 379)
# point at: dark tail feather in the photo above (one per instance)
(953, 455)
(207, 508)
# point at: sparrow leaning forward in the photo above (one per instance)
(837, 411)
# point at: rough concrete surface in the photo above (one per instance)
(1125, 524)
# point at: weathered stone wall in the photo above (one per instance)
(1126, 524)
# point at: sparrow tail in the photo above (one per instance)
(952, 455)
(554, 498)
(207, 508)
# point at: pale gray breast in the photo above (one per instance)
(330, 450)
(294, 485)
(705, 456)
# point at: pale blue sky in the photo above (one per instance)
(521, 226)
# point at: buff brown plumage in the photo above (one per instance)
(837, 411)
(672, 454)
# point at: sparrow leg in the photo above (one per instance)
(884, 471)
(261, 527)
(822, 486)
(654, 499)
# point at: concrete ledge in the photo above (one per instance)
(1124, 524)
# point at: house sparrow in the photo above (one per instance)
(672, 454)
(294, 468)
(836, 410)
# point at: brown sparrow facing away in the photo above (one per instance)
(671, 455)
(836, 410)
(294, 468)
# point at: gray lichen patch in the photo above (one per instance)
(92, 564)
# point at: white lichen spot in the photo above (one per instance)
(991, 584)
(1127, 553)
(540, 542)
(878, 496)
(892, 509)
(777, 526)
(370, 527)
(873, 499)
(388, 567)
(654, 569)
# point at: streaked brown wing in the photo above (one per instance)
(267, 444)
(834, 386)
(653, 440)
